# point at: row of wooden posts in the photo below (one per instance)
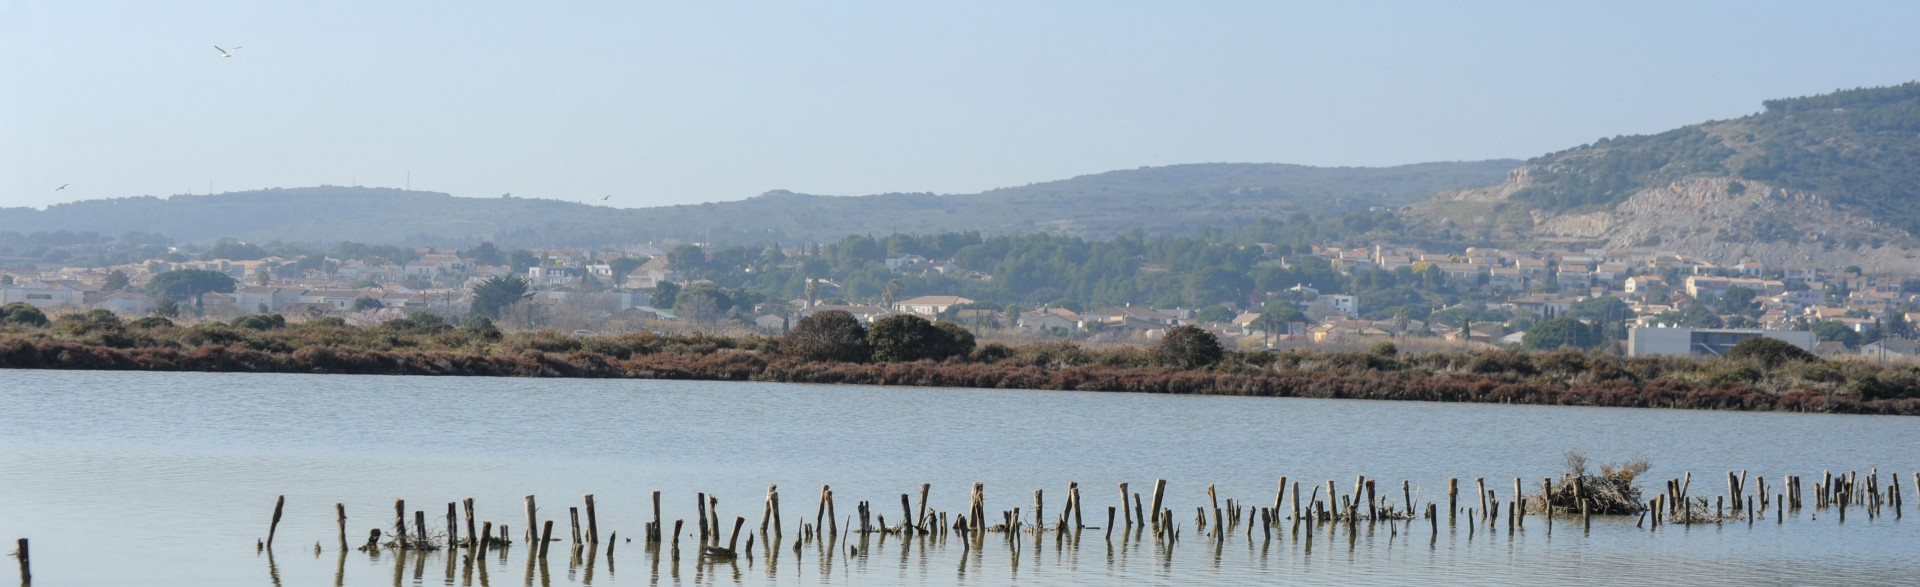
(1362, 503)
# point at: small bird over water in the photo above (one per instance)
(62, 187)
(604, 198)
(225, 52)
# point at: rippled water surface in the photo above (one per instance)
(169, 479)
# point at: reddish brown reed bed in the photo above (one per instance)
(1357, 380)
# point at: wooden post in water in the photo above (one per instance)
(653, 531)
(676, 539)
(472, 538)
(821, 512)
(573, 513)
(777, 532)
(1520, 504)
(1296, 503)
(25, 557)
(713, 515)
(453, 525)
(340, 515)
(921, 519)
(1453, 498)
(1126, 514)
(593, 523)
(533, 525)
(1073, 499)
(546, 537)
(1039, 505)
(400, 521)
(734, 540)
(479, 542)
(833, 525)
(1279, 496)
(274, 526)
(420, 526)
(1159, 489)
(1481, 483)
(1109, 522)
(766, 509)
(700, 511)
(1139, 511)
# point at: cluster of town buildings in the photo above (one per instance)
(1539, 283)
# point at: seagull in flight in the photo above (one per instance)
(604, 198)
(225, 52)
(62, 187)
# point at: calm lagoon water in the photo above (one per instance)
(124, 478)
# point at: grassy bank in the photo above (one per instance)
(427, 347)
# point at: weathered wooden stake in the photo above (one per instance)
(1453, 497)
(593, 524)
(420, 525)
(1159, 492)
(278, 505)
(340, 515)
(653, 531)
(453, 527)
(479, 542)
(26, 566)
(1125, 514)
(400, 521)
(573, 513)
(546, 537)
(734, 540)
(472, 537)
(700, 512)
(533, 526)
(1481, 483)
(921, 519)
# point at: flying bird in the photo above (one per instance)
(604, 198)
(62, 187)
(225, 52)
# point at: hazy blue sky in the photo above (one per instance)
(681, 102)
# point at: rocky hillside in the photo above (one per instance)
(1832, 179)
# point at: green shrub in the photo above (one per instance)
(152, 322)
(832, 335)
(905, 337)
(1189, 347)
(260, 322)
(22, 313)
(1770, 352)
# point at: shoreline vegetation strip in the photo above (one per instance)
(1539, 378)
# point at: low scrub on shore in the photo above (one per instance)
(907, 353)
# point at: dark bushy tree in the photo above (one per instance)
(1189, 347)
(832, 335)
(906, 337)
(1560, 333)
(22, 313)
(261, 322)
(959, 341)
(187, 283)
(1771, 352)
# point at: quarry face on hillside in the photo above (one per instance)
(1721, 219)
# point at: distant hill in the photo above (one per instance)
(1173, 199)
(1833, 178)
